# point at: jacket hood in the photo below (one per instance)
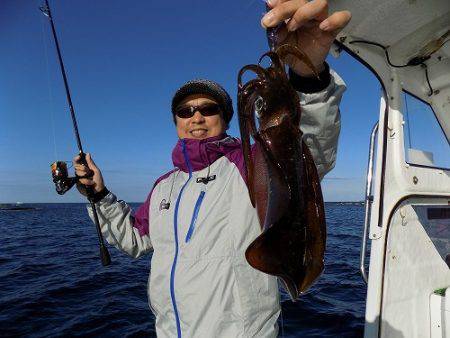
(201, 153)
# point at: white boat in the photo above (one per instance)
(408, 195)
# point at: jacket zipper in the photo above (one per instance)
(194, 216)
(175, 228)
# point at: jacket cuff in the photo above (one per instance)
(309, 85)
(98, 196)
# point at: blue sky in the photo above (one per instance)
(124, 60)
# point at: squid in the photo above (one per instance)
(282, 178)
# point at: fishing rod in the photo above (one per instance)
(59, 168)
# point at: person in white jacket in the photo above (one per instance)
(198, 219)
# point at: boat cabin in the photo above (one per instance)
(405, 43)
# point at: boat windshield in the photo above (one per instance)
(425, 141)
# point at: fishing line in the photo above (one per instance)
(50, 92)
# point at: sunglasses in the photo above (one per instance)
(208, 109)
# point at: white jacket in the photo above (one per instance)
(200, 283)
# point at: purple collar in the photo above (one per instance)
(202, 153)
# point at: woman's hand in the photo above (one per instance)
(306, 24)
(94, 179)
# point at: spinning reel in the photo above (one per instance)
(63, 183)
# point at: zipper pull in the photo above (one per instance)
(206, 180)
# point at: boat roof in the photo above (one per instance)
(412, 31)
(404, 25)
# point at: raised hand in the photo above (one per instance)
(308, 25)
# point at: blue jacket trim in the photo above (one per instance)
(195, 215)
(175, 229)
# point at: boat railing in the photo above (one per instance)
(368, 201)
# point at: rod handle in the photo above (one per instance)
(104, 255)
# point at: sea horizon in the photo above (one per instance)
(28, 203)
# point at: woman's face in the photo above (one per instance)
(198, 126)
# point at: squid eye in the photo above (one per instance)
(258, 106)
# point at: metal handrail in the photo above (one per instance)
(368, 202)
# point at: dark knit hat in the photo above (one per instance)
(207, 87)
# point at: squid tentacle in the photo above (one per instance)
(247, 123)
(246, 150)
(258, 70)
(285, 50)
(277, 64)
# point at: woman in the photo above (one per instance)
(198, 219)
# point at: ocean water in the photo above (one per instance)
(52, 283)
